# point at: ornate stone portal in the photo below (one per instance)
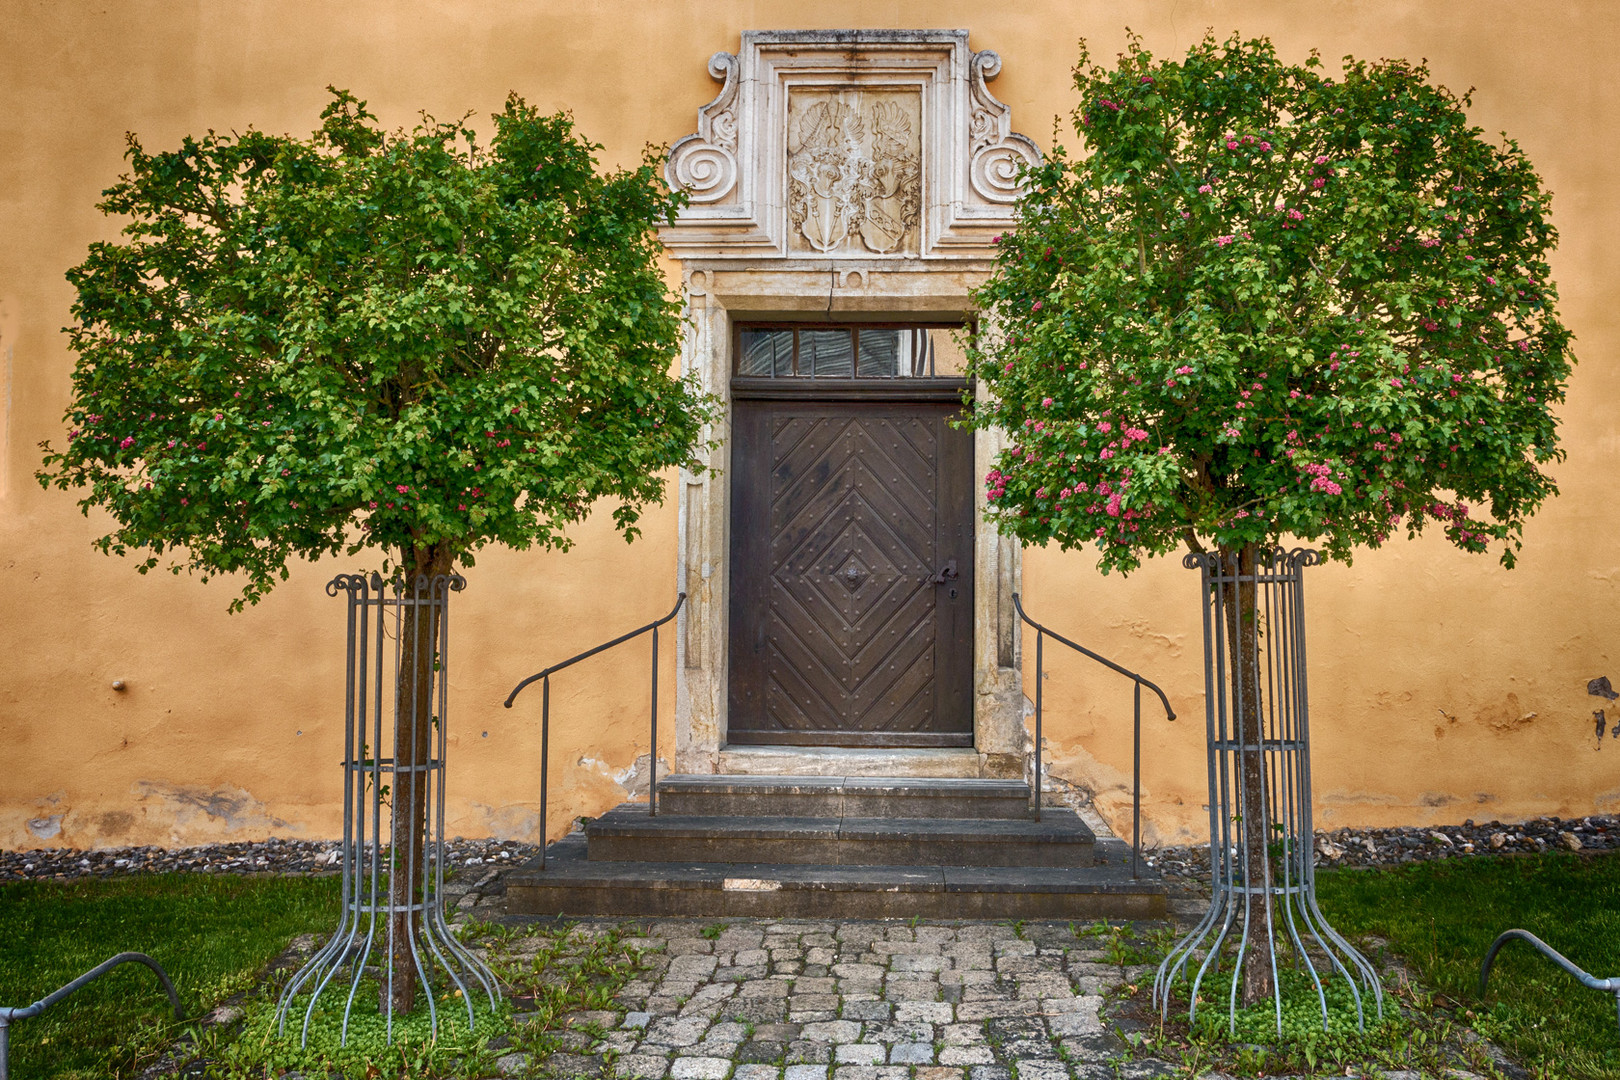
(841, 175)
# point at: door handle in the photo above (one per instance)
(946, 573)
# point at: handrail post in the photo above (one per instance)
(1039, 678)
(652, 759)
(1136, 787)
(545, 748)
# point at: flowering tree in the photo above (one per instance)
(1266, 303)
(404, 341)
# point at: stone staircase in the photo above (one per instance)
(837, 846)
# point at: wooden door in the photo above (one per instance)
(851, 574)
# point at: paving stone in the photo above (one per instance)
(833, 1031)
(756, 1072)
(637, 1019)
(765, 988)
(989, 1072)
(805, 1072)
(1029, 1047)
(871, 1072)
(909, 1031)
(914, 1053)
(618, 1042)
(814, 1016)
(919, 963)
(1083, 1021)
(726, 1048)
(574, 1066)
(777, 1032)
(512, 1064)
(806, 1051)
(987, 1010)
(917, 990)
(867, 1010)
(700, 1068)
(966, 1055)
(807, 985)
(812, 1003)
(1040, 1069)
(667, 1031)
(870, 972)
(937, 1072)
(756, 1010)
(859, 1054)
(930, 1012)
(691, 966)
(962, 1034)
(761, 1050)
(1147, 1069)
(688, 946)
(642, 1066)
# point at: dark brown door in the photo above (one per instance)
(851, 574)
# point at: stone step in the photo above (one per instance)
(572, 884)
(627, 834)
(843, 796)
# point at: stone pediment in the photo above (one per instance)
(870, 144)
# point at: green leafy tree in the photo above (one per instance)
(1269, 302)
(367, 339)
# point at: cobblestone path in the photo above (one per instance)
(765, 1000)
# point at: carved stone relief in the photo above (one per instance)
(876, 144)
(854, 166)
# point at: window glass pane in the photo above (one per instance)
(880, 353)
(766, 352)
(826, 354)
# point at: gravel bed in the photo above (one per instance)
(1393, 847)
(273, 856)
(1341, 847)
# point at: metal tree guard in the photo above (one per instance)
(1269, 902)
(375, 709)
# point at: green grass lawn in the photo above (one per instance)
(213, 934)
(1442, 916)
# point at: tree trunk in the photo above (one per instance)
(1243, 638)
(414, 724)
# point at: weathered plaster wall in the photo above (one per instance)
(1443, 687)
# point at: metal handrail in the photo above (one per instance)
(544, 678)
(1590, 981)
(1041, 633)
(10, 1015)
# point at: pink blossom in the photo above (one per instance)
(1318, 182)
(1265, 146)
(128, 442)
(1222, 241)
(1046, 403)
(1321, 159)
(1231, 144)
(1204, 189)
(1184, 370)
(1036, 306)
(1104, 427)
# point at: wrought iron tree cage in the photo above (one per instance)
(398, 662)
(1261, 853)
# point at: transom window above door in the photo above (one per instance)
(865, 351)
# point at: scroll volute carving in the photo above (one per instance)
(995, 153)
(704, 165)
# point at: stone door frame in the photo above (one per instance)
(719, 293)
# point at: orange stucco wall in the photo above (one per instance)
(1443, 687)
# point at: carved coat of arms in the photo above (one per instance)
(855, 172)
